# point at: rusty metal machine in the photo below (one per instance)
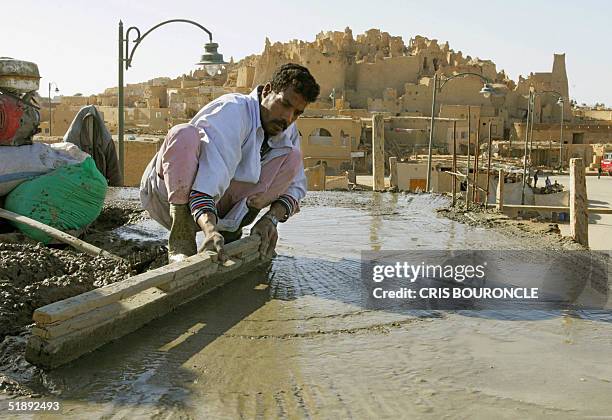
(19, 113)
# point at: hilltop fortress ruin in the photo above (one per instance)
(379, 72)
(371, 73)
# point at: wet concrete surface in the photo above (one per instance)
(298, 339)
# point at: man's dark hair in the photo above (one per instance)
(299, 78)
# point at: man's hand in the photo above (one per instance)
(213, 240)
(268, 234)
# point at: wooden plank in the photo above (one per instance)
(98, 316)
(83, 246)
(499, 196)
(455, 174)
(50, 353)
(114, 310)
(600, 210)
(97, 298)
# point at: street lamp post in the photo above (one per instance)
(529, 111)
(51, 119)
(529, 129)
(211, 60)
(486, 91)
(561, 102)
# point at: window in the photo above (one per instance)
(321, 137)
(322, 132)
(344, 139)
(157, 114)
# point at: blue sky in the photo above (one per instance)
(74, 43)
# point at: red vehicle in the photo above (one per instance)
(606, 163)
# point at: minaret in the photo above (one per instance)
(559, 75)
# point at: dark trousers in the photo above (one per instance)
(248, 219)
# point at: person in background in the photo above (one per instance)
(548, 184)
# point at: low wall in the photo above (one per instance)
(138, 154)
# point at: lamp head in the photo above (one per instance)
(211, 59)
(487, 90)
(560, 101)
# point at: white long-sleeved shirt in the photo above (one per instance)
(232, 136)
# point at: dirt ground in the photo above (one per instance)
(542, 235)
(33, 275)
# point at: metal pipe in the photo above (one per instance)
(431, 131)
(454, 161)
(467, 179)
(561, 140)
(525, 157)
(476, 163)
(50, 119)
(531, 129)
(120, 116)
(488, 167)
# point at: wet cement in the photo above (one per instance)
(299, 340)
(32, 276)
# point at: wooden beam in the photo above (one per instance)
(76, 243)
(55, 343)
(112, 311)
(499, 195)
(579, 215)
(97, 298)
(595, 210)
(378, 152)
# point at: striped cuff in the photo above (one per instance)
(290, 204)
(201, 203)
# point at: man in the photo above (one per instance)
(238, 155)
(535, 178)
(548, 184)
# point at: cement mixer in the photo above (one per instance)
(19, 113)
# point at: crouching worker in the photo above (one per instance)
(237, 156)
